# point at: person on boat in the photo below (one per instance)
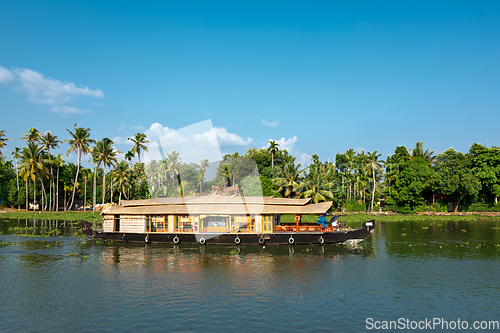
(334, 222)
(322, 221)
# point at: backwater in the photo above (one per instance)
(410, 271)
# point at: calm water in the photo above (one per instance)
(410, 270)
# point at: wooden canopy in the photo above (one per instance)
(213, 205)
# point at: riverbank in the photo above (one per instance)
(93, 217)
(355, 217)
(360, 217)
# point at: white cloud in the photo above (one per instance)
(44, 90)
(156, 131)
(304, 159)
(120, 140)
(287, 144)
(68, 110)
(275, 123)
(223, 137)
(5, 75)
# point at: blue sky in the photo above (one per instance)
(320, 76)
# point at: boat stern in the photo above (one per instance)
(369, 225)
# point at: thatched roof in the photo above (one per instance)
(219, 205)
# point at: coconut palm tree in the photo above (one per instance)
(316, 185)
(372, 165)
(16, 155)
(121, 177)
(351, 164)
(80, 142)
(103, 152)
(139, 141)
(33, 135)
(273, 149)
(204, 164)
(289, 178)
(86, 174)
(33, 166)
(57, 161)
(174, 162)
(129, 156)
(3, 140)
(49, 141)
(428, 155)
(153, 176)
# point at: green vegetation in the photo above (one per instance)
(67, 216)
(408, 181)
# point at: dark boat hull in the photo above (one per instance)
(288, 238)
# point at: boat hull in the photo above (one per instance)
(281, 238)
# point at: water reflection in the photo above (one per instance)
(458, 239)
(38, 227)
(130, 287)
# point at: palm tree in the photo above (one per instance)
(427, 155)
(86, 173)
(204, 164)
(152, 171)
(121, 178)
(129, 156)
(58, 161)
(174, 164)
(350, 154)
(80, 142)
(139, 141)
(103, 152)
(33, 165)
(316, 185)
(373, 164)
(16, 154)
(3, 140)
(289, 179)
(33, 135)
(273, 148)
(50, 141)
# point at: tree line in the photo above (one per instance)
(408, 180)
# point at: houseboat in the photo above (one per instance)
(221, 220)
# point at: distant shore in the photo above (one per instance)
(345, 216)
(10, 213)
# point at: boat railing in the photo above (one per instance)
(302, 228)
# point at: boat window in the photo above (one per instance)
(186, 223)
(243, 223)
(117, 223)
(215, 223)
(156, 223)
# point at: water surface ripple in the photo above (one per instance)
(413, 270)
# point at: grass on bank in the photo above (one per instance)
(68, 216)
(363, 217)
(95, 217)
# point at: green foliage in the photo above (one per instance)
(354, 206)
(269, 188)
(414, 181)
(264, 159)
(403, 209)
(456, 178)
(390, 201)
(259, 186)
(483, 207)
(486, 167)
(6, 174)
